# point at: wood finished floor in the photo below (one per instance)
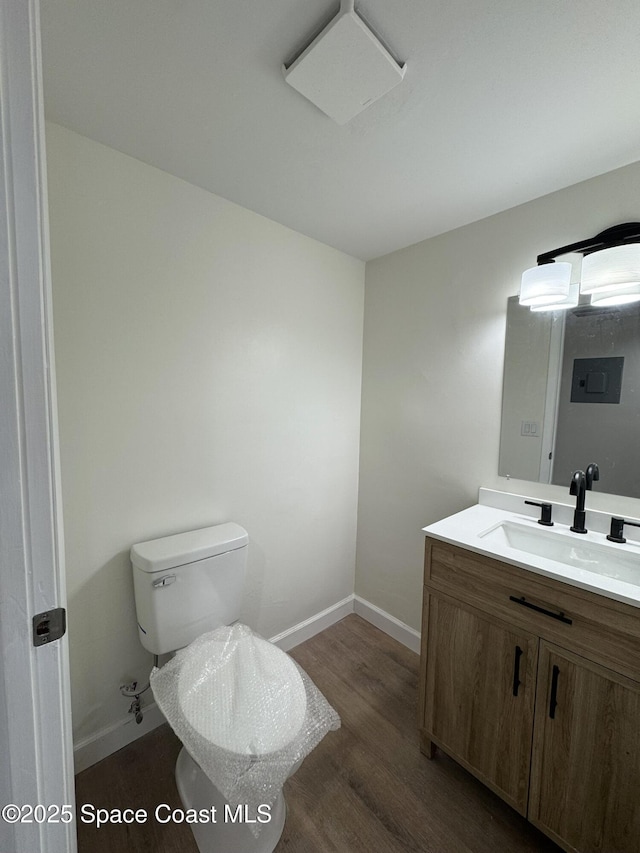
(365, 788)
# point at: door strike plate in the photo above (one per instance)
(49, 625)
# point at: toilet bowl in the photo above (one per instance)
(256, 693)
(237, 730)
(231, 833)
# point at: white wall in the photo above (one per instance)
(209, 369)
(435, 316)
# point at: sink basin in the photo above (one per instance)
(567, 548)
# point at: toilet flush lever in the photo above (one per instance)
(164, 581)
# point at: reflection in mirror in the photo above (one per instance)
(571, 395)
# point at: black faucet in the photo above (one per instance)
(592, 473)
(578, 488)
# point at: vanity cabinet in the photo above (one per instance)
(534, 687)
(481, 692)
(585, 776)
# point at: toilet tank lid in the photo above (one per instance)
(157, 555)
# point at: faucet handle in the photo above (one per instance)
(545, 515)
(617, 526)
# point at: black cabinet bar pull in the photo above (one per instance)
(559, 616)
(553, 701)
(516, 670)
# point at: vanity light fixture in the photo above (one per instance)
(546, 284)
(570, 301)
(610, 271)
(612, 276)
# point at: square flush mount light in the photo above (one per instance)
(345, 68)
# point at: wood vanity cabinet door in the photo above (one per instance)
(479, 695)
(585, 775)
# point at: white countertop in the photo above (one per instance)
(468, 529)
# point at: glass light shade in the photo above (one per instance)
(618, 296)
(570, 302)
(611, 269)
(545, 284)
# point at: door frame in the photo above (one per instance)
(36, 745)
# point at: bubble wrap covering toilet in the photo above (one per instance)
(244, 710)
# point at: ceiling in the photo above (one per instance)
(503, 101)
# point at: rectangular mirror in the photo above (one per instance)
(571, 395)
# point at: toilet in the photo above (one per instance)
(185, 586)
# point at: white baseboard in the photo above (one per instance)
(310, 627)
(112, 738)
(409, 637)
(92, 749)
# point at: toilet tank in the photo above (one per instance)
(187, 584)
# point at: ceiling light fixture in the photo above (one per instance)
(610, 271)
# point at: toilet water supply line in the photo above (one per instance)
(132, 691)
